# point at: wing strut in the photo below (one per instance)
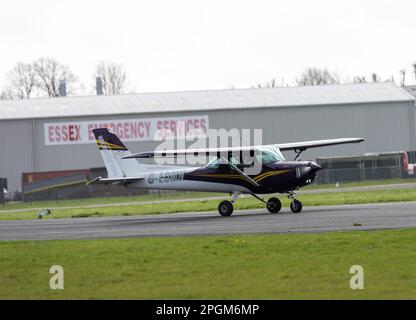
(298, 153)
(240, 172)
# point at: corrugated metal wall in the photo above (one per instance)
(16, 154)
(386, 127)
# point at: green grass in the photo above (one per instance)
(172, 196)
(360, 184)
(105, 200)
(247, 202)
(289, 266)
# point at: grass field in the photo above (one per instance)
(172, 196)
(247, 202)
(106, 200)
(361, 183)
(291, 266)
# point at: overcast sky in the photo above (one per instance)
(191, 45)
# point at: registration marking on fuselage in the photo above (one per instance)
(165, 177)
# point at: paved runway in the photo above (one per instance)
(312, 219)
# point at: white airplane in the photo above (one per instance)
(224, 173)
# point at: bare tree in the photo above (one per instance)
(6, 94)
(375, 77)
(50, 72)
(272, 83)
(22, 81)
(359, 79)
(113, 77)
(317, 77)
(269, 84)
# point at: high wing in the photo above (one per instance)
(183, 152)
(317, 143)
(297, 146)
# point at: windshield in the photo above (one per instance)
(267, 156)
(214, 163)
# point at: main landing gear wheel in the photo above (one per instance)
(296, 206)
(225, 208)
(274, 205)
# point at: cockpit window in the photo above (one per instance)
(267, 156)
(262, 156)
(235, 160)
(214, 163)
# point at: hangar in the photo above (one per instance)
(48, 134)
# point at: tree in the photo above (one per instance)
(359, 79)
(50, 72)
(375, 77)
(22, 81)
(6, 94)
(113, 77)
(317, 77)
(271, 84)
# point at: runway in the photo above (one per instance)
(312, 219)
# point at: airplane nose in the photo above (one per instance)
(307, 172)
(314, 166)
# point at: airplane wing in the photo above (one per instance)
(122, 180)
(301, 146)
(316, 143)
(196, 152)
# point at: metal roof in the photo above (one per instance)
(202, 100)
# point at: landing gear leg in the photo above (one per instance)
(273, 204)
(295, 205)
(234, 196)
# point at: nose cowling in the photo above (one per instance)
(307, 173)
(314, 166)
(309, 168)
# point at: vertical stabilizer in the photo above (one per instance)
(112, 150)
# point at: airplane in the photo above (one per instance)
(224, 173)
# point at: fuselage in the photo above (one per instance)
(274, 177)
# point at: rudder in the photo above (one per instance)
(112, 151)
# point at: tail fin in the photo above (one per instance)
(112, 150)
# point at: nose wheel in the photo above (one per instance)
(296, 206)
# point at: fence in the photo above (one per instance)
(392, 165)
(326, 176)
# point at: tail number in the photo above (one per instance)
(166, 177)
